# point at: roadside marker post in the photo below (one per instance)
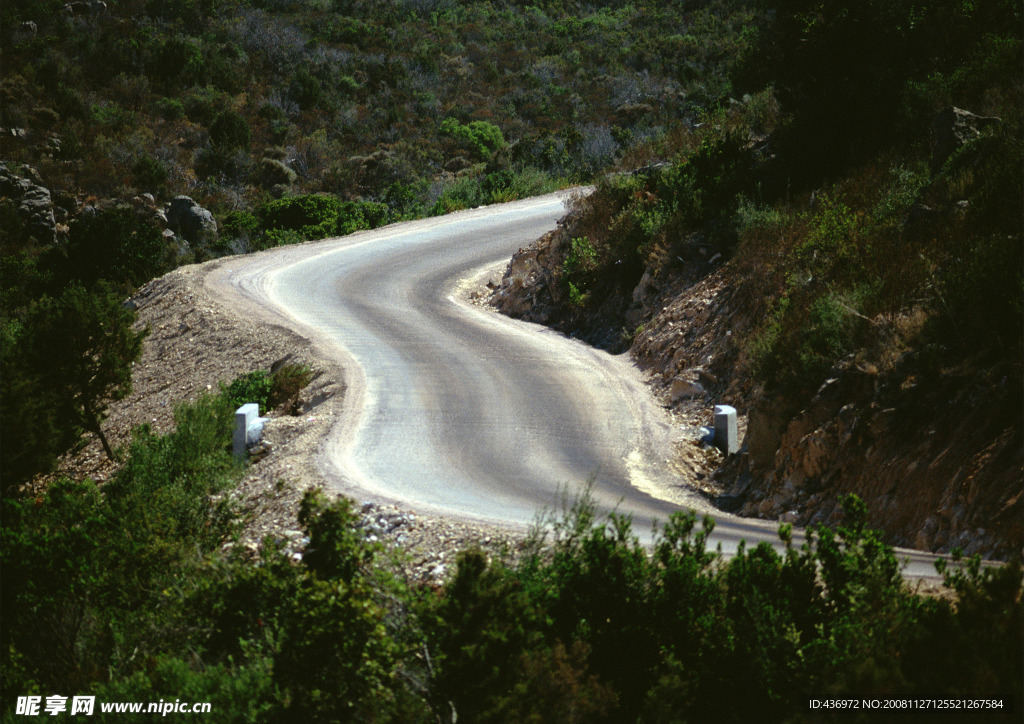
(248, 428)
(726, 433)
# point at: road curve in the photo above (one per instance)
(459, 410)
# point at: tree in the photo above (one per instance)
(80, 346)
(118, 245)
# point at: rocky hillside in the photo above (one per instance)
(931, 441)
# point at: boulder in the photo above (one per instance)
(24, 32)
(952, 129)
(191, 221)
(32, 200)
(645, 287)
(686, 386)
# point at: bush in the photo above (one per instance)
(171, 109)
(176, 60)
(86, 572)
(222, 164)
(239, 225)
(230, 130)
(335, 658)
(662, 635)
(162, 494)
(287, 382)
(271, 172)
(579, 264)
(269, 391)
(480, 138)
(78, 349)
(150, 174)
(118, 245)
(314, 216)
(276, 237)
(250, 387)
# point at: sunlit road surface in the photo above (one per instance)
(457, 410)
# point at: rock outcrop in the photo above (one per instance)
(934, 482)
(953, 129)
(191, 221)
(32, 200)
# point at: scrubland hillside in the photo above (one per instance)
(811, 211)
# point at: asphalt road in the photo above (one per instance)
(461, 411)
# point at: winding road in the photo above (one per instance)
(458, 410)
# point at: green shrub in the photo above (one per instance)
(86, 572)
(162, 494)
(240, 692)
(903, 190)
(64, 358)
(286, 384)
(313, 216)
(751, 217)
(480, 138)
(171, 109)
(358, 215)
(272, 238)
(762, 348)
(176, 60)
(222, 164)
(462, 193)
(203, 104)
(251, 387)
(577, 268)
(827, 335)
(269, 390)
(307, 90)
(230, 130)
(150, 174)
(117, 244)
(52, 558)
(832, 229)
(271, 172)
(335, 658)
(112, 115)
(239, 225)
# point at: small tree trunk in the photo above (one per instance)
(93, 422)
(103, 440)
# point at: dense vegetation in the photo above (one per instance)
(126, 593)
(298, 119)
(422, 106)
(854, 221)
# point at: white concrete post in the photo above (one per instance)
(248, 426)
(726, 433)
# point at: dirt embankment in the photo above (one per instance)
(937, 455)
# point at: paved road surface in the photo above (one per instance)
(459, 410)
